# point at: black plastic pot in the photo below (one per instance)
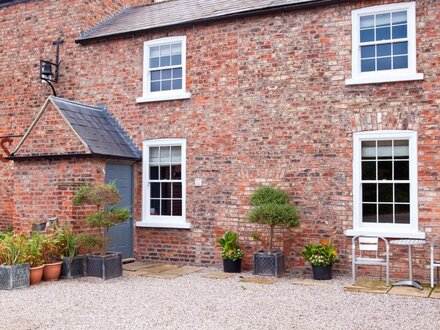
(322, 272)
(73, 267)
(270, 263)
(105, 267)
(231, 266)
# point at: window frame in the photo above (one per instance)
(384, 229)
(408, 74)
(176, 94)
(154, 220)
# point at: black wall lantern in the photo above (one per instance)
(49, 70)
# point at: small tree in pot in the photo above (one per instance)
(104, 264)
(271, 206)
(231, 252)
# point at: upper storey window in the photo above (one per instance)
(164, 70)
(384, 44)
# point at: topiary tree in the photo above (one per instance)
(102, 196)
(271, 206)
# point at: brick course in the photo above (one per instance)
(269, 105)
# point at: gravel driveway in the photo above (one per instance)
(196, 302)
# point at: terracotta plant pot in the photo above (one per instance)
(36, 274)
(52, 271)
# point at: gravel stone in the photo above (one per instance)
(197, 302)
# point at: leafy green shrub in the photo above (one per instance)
(66, 239)
(101, 195)
(34, 250)
(13, 249)
(230, 248)
(320, 254)
(271, 206)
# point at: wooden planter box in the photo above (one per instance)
(13, 277)
(266, 263)
(105, 267)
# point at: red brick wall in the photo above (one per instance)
(269, 105)
(45, 188)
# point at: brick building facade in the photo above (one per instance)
(272, 101)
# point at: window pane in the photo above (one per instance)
(369, 213)
(177, 73)
(166, 74)
(400, 31)
(154, 52)
(154, 62)
(400, 48)
(165, 50)
(177, 207)
(400, 62)
(155, 75)
(384, 63)
(367, 35)
(166, 85)
(401, 170)
(383, 33)
(402, 192)
(368, 149)
(165, 61)
(368, 170)
(176, 172)
(402, 213)
(384, 50)
(166, 207)
(155, 190)
(165, 157)
(154, 173)
(384, 149)
(177, 190)
(176, 154)
(385, 170)
(166, 190)
(367, 65)
(165, 172)
(369, 193)
(401, 149)
(177, 84)
(367, 51)
(385, 213)
(383, 19)
(154, 155)
(176, 59)
(385, 192)
(155, 86)
(399, 17)
(367, 21)
(155, 206)
(176, 48)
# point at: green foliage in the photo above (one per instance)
(104, 218)
(13, 249)
(269, 195)
(51, 248)
(320, 254)
(87, 242)
(272, 207)
(34, 251)
(230, 248)
(66, 240)
(7, 231)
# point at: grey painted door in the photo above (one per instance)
(122, 234)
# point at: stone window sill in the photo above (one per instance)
(175, 225)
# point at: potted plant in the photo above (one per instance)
(231, 252)
(271, 207)
(104, 264)
(51, 250)
(73, 264)
(321, 256)
(14, 270)
(34, 256)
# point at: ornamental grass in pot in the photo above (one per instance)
(231, 252)
(321, 256)
(103, 264)
(34, 256)
(51, 249)
(73, 264)
(271, 206)
(14, 270)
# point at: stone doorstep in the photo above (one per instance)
(410, 291)
(368, 286)
(159, 268)
(137, 265)
(184, 270)
(435, 294)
